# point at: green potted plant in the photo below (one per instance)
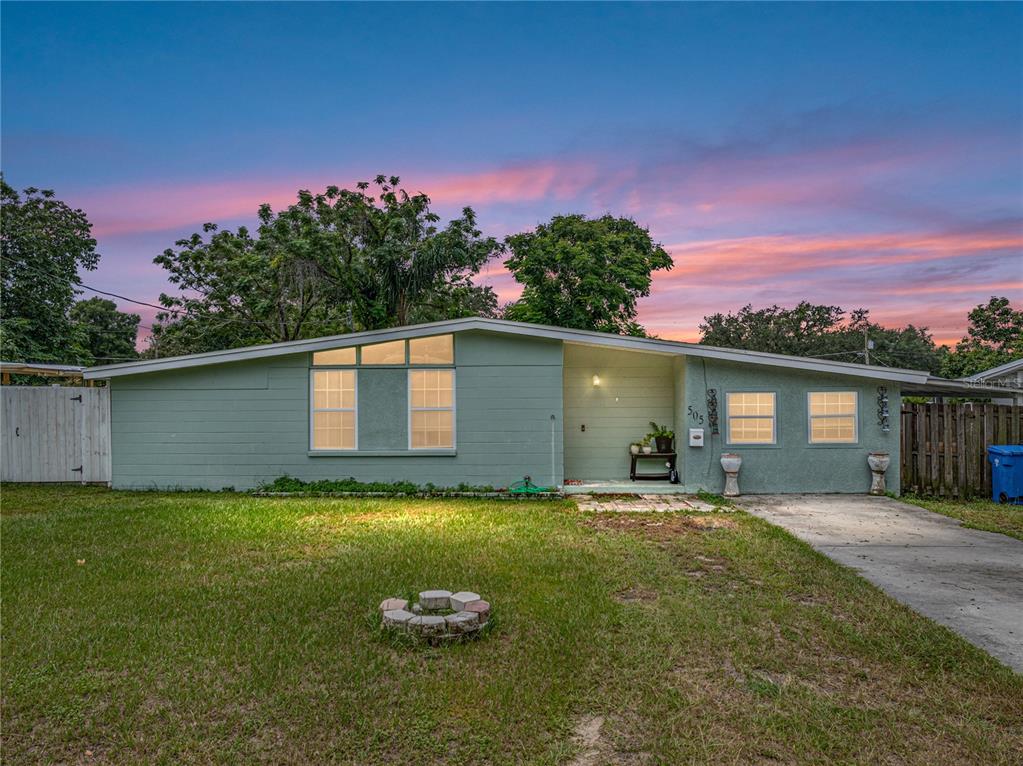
(635, 447)
(662, 436)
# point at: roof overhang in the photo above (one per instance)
(505, 327)
(959, 388)
(995, 372)
(46, 370)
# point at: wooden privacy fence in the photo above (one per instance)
(54, 433)
(944, 446)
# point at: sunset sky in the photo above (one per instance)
(860, 155)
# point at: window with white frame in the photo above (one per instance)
(431, 409)
(333, 410)
(751, 417)
(832, 417)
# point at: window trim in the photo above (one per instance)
(453, 408)
(855, 416)
(729, 416)
(313, 409)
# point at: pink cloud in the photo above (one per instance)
(136, 209)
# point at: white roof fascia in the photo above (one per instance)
(1002, 369)
(509, 328)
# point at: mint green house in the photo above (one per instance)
(486, 402)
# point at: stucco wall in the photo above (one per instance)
(238, 424)
(634, 389)
(791, 465)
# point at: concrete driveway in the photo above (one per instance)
(965, 579)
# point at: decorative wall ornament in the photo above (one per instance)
(883, 416)
(712, 410)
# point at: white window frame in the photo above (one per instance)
(774, 419)
(453, 408)
(313, 409)
(855, 416)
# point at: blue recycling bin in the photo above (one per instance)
(1006, 473)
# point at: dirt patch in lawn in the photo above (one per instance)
(635, 595)
(659, 528)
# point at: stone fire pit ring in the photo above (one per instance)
(438, 615)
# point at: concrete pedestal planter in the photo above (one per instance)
(878, 462)
(730, 464)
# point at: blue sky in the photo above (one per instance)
(866, 155)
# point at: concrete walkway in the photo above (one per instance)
(965, 579)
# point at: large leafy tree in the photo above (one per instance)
(333, 262)
(109, 333)
(584, 273)
(43, 244)
(822, 331)
(994, 336)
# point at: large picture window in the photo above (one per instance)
(333, 410)
(431, 409)
(751, 417)
(832, 417)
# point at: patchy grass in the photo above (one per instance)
(976, 514)
(197, 628)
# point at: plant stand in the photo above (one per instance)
(669, 457)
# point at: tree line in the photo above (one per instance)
(377, 256)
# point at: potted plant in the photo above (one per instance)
(662, 436)
(647, 449)
(635, 447)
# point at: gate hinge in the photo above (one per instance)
(76, 398)
(77, 470)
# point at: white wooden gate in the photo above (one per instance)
(54, 433)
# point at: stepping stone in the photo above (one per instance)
(435, 599)
(427, 624)
(462, 622)
(463, 597)
(397, 618)
(390, 604)
(480, 608)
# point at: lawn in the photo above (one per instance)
(977, 514)
(199, 628)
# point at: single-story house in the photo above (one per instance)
(1008, 375)
(487, 402)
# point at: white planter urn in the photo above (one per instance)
(634, 449)
(647, 449)
(731, 463)
(878, 462)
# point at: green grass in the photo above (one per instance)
(977, 514)
(225, 628)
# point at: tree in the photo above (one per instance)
(821, 331)
(584, 273)
(43, 243)
(334, 262)
(110, 334)
(994, 336)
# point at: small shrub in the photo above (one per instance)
(291, 484)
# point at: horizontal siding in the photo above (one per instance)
(634, 389)
(257, 427)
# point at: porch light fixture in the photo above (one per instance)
(596, 380)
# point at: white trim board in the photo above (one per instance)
(655, 345)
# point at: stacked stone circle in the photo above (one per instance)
(469, 613)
